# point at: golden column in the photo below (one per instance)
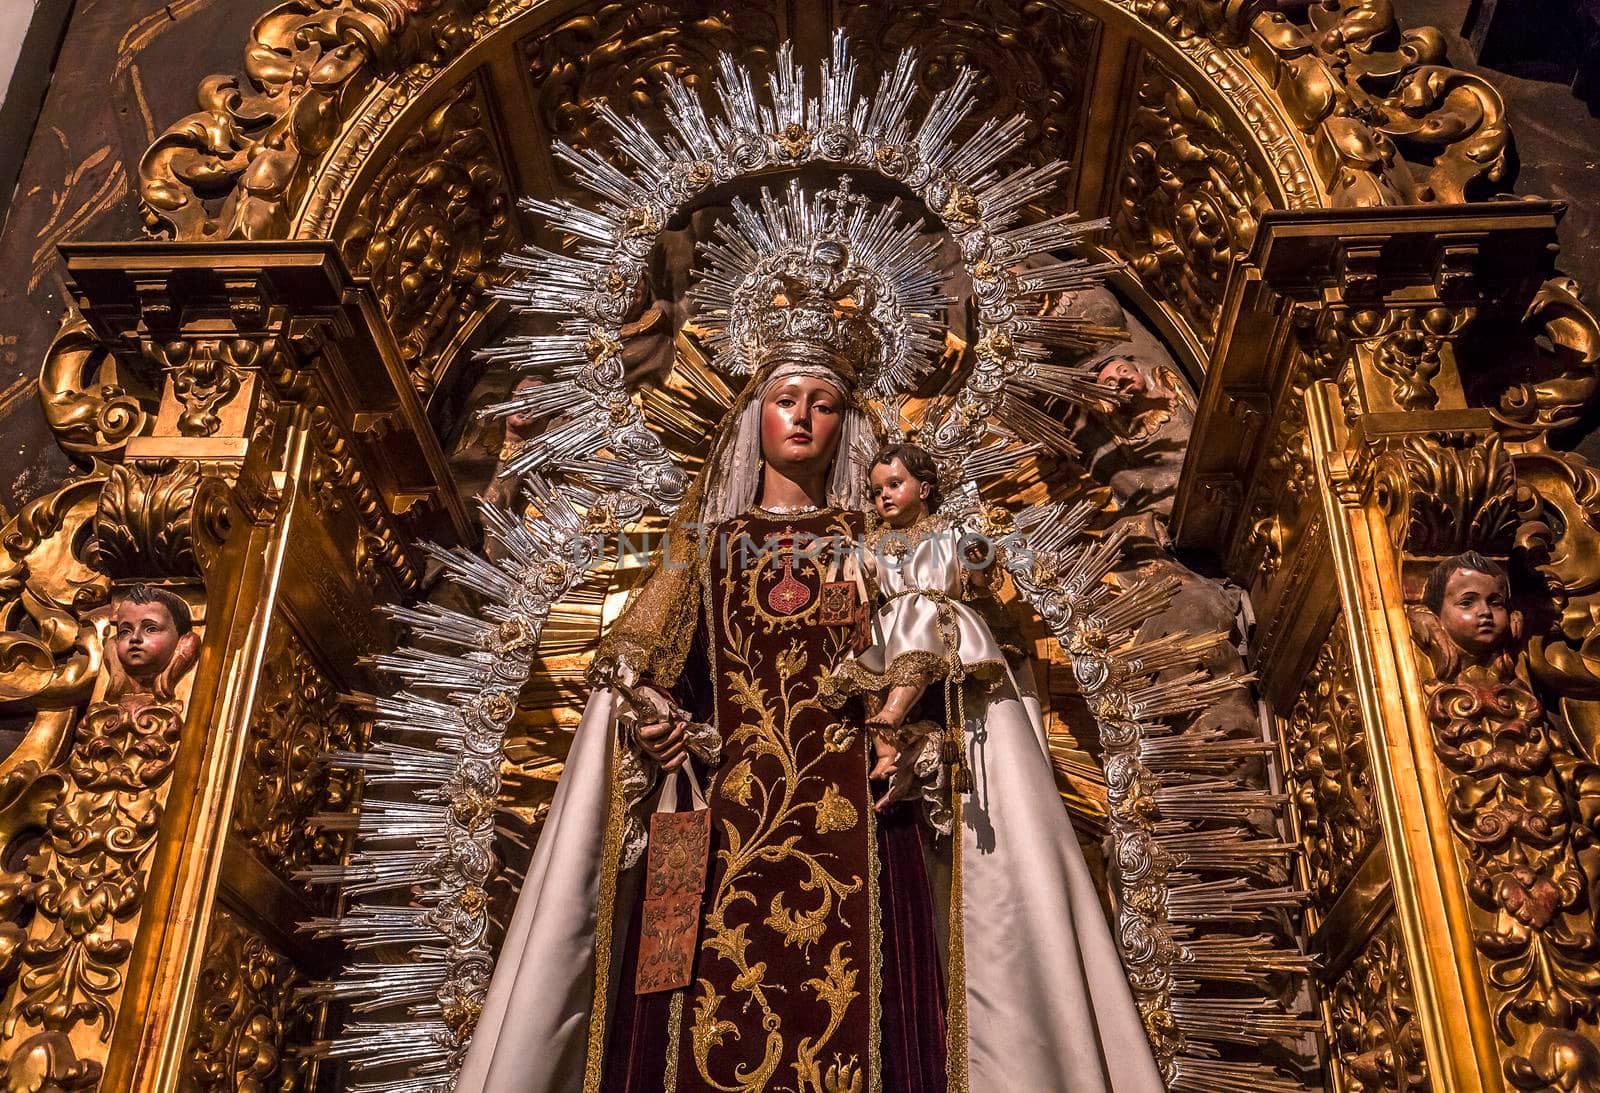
(1446, 820)
(278, 491)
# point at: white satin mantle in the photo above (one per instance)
(1048, 1004)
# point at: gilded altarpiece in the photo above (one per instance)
(1445, 817)
(253, 428)
(186, 829)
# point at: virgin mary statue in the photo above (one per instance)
(825, 952)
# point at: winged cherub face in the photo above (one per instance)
(146, 637)
(1124, 377)
(1476, 611)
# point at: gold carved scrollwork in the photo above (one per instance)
(1322, 348)
(49, 650)
(1187, 202)
(1407, 348)
(92, 404)
(1372, 1014)
(1391, 121)
(1525, 808)
(1330, 770)
(1226, 22)
(284, 782)
(1565, 657)
(254, 141)
(338, 484)
(1568, 371)
(427, 226)
(1031, 59)
(246, 1014)
(622, 54)
(157, 517)
(50, 657)
(86, 880)
(91, 873)
(205, 375)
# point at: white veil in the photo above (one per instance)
(736, 474)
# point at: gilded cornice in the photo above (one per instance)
(1346, 108)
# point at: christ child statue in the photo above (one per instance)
(922, 569)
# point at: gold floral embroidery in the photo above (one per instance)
(836, 987)
(835, 812)
(736, 784)
(778, 778)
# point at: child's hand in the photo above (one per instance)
(900, 781)
(977, 551)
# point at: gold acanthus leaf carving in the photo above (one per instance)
(297, 720)
(1443, 493)
(93, 404)
(1392, 122)
(1372, 1014)
(1523, 807)
(254, 141)
(1330, 770)
(427, 226)
(153, 517)
(247, 1015)
(1567, 373)
(49, 649)
(1187, 202)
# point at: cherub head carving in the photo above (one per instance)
(1121, 375)
(152, 642)
(1152, 394)
(1468, 617)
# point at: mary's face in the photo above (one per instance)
(800, 421)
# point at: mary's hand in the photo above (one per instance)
(664, 742)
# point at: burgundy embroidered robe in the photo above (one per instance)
(817, 965)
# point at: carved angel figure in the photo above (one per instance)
(152, 644)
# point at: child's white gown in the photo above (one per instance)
(1040, 956)
(923, 629)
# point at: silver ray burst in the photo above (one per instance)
(418, 914)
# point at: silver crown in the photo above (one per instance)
(823, 278)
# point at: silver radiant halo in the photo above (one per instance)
(641, 181)
(595, 463)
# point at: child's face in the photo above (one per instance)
(897, 496)
(146, 637)
(1475, 612)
